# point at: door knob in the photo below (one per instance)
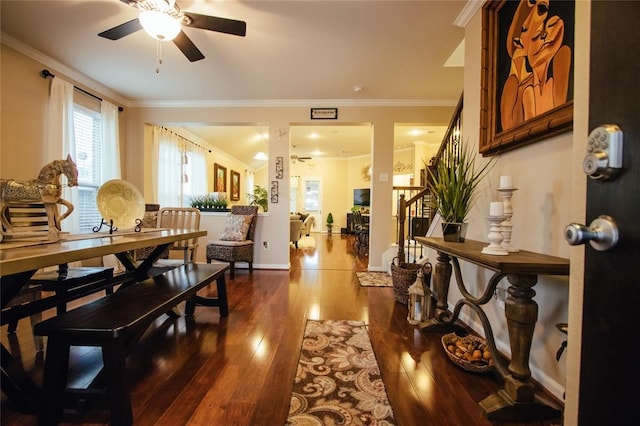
(602, 233)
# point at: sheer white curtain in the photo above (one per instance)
(198, 178)
(249, 181)
(168, 174)
(60, 134)
(110, 142)
(61, 139)
(110, 164)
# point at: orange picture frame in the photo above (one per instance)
(235, 186)
(219, 178)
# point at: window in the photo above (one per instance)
(312, 196)
(87, 126)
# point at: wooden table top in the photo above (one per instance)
(32, 257)
(522, 262)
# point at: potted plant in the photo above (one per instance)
(259, 198)
(453, 187)
(221, 202)
(210, 202)
(329, 223)
(197, 201)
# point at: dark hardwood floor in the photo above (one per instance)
(240, 370)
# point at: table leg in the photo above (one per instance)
(141, 270)
(517, 400)
(17, 385)
(441, 281)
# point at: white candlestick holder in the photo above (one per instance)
(495, 237)
(507, 225)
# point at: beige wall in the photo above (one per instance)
(23, 114)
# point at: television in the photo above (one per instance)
(362, 197)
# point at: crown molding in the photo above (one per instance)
(468, 12)
(275, 103)
(63, 69)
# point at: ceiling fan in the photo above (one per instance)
(163, 19)
(300, 159)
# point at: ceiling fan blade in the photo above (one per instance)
(122, 30)
(214, 23)
(187, 47)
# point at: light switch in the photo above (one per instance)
(384, 177)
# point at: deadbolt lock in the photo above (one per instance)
(604, 152)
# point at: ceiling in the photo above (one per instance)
(295, 53)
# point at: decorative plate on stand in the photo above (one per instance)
(121, 202)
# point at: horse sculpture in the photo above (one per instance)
(45, 189)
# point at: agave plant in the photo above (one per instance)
(454, 186)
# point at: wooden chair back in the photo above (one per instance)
(181, 218)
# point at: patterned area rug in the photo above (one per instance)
(338, 381)
(374, 279)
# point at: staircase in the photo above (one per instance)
(415, 204)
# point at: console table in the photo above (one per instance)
(517, 400)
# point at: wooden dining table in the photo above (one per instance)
(20, 260)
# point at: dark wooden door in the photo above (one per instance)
(610, 370)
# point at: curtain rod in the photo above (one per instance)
(46, 73)
(183, 138)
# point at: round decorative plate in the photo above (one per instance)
(120, 202)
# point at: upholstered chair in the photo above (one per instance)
(236, 242)
(295, 231)
(307, 224)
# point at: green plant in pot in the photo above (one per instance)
(220, 203)
(259, 198)
(453, 187)
(329, 222)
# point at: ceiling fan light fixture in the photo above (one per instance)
(159, 25)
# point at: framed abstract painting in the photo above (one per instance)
(527, 72)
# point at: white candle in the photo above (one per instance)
(506, 182)
(417, 314)
(496, 208)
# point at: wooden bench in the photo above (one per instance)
(115, 323)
